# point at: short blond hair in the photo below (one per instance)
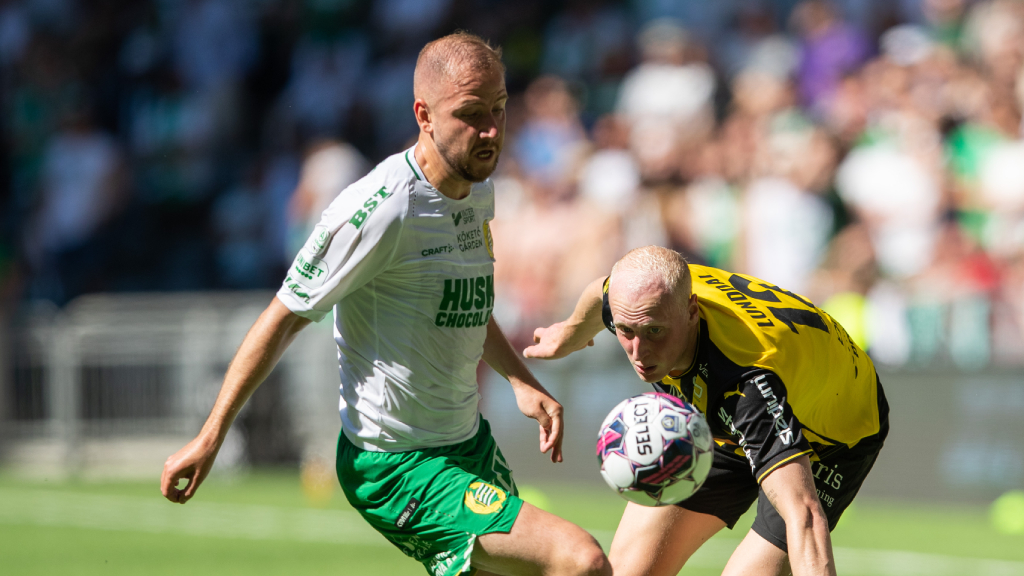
(657, 265)
(449, 58)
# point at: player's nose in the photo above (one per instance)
(640, 349)
(489, 132)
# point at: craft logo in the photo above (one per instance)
(445, 249)
(484, 498)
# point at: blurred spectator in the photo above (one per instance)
(215, 43)
(590, 43)
(786, 224)
(324, 83)
(610, 177)
(15, 33)
(667, 99)
(944, 21)
(82, 189)
(703, 220)
(830, 50)
(329, 168)
(898, 200)
(240, 222)
(549, 144)
(755, 43)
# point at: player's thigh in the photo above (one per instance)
(756, 556)
(656, 541)
(540, 543)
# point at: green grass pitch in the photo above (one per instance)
(263, 524)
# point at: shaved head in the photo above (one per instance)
(453, 60)
(657, 318)
(653, 268)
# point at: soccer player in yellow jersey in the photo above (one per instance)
(795, 407)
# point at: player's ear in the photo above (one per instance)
(422, 112)
(692, 309)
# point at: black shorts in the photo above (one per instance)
(730, 488)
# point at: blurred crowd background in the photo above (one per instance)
(866, 154)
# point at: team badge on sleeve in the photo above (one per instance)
(488, 240)
(484, 498)
(319, 240)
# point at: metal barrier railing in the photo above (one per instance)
(150, 366)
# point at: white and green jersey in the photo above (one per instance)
(409, 274)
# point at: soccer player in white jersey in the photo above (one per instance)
(404, 259)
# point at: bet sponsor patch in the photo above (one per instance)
(309, 271)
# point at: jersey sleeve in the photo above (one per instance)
(355, 240)
(766, 422)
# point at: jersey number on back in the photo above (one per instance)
(788, 316)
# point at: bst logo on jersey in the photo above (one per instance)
(466, 303)
(484, 498)
(369, 206)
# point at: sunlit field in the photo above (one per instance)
(264, 524)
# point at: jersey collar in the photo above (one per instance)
(410, 159)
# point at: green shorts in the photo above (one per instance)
(433, 503)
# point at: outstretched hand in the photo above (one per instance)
(193, 462)
(539, 405)
(556, 341)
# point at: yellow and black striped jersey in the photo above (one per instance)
(775, 376)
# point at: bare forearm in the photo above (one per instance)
(533, 400)
(576, 332)
(586, 317)
(259, 352)
(502, 358)
(790, 489)
(810, 546)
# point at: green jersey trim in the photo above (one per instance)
(411, 167)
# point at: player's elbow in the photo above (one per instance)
(582, 557)
(807, 514)
(591, 561)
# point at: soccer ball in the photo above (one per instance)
(655, 449)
